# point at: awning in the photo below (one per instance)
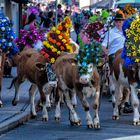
(21, 1)
(100, 4)
(134, 3)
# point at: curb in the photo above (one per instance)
(15, 120)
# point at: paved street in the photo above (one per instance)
(36, 129)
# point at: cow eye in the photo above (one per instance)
(90, 66)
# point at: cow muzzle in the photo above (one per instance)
(52, 83)
(84, 80)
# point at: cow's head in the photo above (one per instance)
(86, 73)
(46, 71)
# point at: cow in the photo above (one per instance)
(128, 78)
(32, 66)
(69, 82)
(2, 62)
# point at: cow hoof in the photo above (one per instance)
(45, 119)
(33, 116)
(74, 106)
(72, 123)
(90, 126)
(38, 108)
(14, 103)
(48, 108)
(1, 105)
(57, 119)
(115, 117)
(136, 123)
(75, 123)
(97, 126)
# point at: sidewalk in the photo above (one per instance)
(12, 116)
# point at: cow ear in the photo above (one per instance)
(40, 67)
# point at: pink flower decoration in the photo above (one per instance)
(84, 38)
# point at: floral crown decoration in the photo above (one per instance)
(7, 34)
(90, 46)
(106, 18)
(58, 40)
(129, 10)
(29, 38)
(88, 53)
(131, 29)
(92, 30)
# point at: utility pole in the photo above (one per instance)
(110, 3)
(56, 18)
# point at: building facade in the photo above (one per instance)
(10, 9)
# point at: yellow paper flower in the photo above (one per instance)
(64, 40)
(58, 32)
(52, 47)
(53, 28)
(53, 50)
(137, 60)
(60, 37)
(52, 60)
(58, 52)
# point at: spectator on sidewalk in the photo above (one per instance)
(60, 13)
(30, 22)
(48, 22)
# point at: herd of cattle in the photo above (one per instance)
(32, 65)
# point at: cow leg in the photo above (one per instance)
(85, 105)
(135, 104)
(43, 101)
(17, 83)
(58, 110)
(111, 87)
(74, 119)
(96, 108)
(73, 99)
(1, 104)
(48, 89)
(58, 94)
(2, 62)
(117, 98)
(48, 102)
(32, 99)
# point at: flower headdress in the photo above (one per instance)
(88, 53)
(131, 30)
(90, 46)
(92, 30)
(129, 10)
(28, 38)
(7, 34)
(58, 40)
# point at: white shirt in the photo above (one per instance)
(116, 40)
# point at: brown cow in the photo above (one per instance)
(128, 77)
(2, 61)
(32, 66)
(69, 80)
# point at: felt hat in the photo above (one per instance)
(119, 16)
